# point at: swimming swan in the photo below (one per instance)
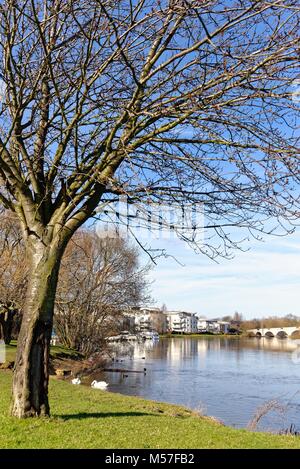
(99, 385)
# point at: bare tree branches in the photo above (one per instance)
(13, 273)
(100, 279)
(198, 93)
(169, 102)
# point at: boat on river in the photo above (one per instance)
(124, 336)
(149, 335)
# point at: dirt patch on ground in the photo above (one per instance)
(66, 367)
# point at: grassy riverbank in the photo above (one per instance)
(88, 418)
(57, 352)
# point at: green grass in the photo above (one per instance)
(10, 352)
(88, 418)
(57, 351)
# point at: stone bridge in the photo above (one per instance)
(279, 332)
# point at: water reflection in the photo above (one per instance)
(230, 378)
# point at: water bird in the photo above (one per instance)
(76, 381)
(99, 385)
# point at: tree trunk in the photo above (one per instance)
(31, 375)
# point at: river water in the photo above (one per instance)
(226, 378)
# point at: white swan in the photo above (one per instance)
(99, 385)
(76, 381)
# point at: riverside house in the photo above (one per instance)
(213, 326)
(182, 322)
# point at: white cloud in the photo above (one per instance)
(264, 280)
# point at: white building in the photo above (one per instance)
(182, 322)
(213, 326)
(224, 326)
(202, 325)
(150, 319)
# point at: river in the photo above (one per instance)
(225, 378)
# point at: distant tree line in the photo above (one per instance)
(271, 321)
(238, 321)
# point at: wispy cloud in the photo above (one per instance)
(264, 280)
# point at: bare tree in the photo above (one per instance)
(100, 279)
(13, 274)
(173, 101)
(159, 322)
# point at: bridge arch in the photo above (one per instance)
(282, 335)
(269, 334)
(258, 334)
(295, 334)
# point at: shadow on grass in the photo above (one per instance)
(100, 415)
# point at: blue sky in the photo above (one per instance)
(262, 281)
